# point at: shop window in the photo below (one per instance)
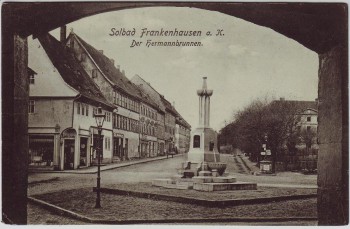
(196, 141)
(31, 107)
(41, 150)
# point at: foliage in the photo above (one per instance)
(275, 119)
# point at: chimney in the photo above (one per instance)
(173, 103)
(101, 51)
(282, 99)
(112, 60)
(63, 31)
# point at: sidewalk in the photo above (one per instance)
(93, 169)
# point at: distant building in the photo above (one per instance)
(62, 99)
(306, 127)
(173, 131)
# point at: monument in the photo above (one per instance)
(203, 170)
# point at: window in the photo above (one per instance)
(108, 116)
(78, 108)
(94, 73)
(31, 79)
(94, 110)
(83, 57)
(196, 141)
(87, 110)
(308, 119)
(82, 109)
(107, 143)
(31, 107)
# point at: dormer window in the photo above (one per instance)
(83, 57)
(31, 75)
(31, 79)
(71, 43)
(94, 73)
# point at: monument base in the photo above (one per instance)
(202, 177)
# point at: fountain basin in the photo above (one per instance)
(219, 166)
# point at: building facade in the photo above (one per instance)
(61, 127)
(173, 132)
(118, 90)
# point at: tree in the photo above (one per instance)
(276, 119)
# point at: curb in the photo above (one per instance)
(206, 203)
(43, 181)
(74, 215)
(104, 168)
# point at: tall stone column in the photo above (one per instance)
(204, 104)
(333, 160)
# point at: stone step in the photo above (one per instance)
(161, 182)
(202, 179)
(210, 187)
(205, 173)
(228, 179)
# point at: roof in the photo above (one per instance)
(299, 106)
(113, 74)
(31, 71)
(62, 57)
(162, 103)
(147, 89)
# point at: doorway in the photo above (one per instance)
(69, 153)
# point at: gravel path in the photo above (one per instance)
(124, 207)
(38, 215)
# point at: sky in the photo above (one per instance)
(247, 62)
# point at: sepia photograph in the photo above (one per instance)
(175, 113)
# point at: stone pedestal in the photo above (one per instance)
(203, 146)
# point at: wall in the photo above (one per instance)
(333, 156)
(51, 111)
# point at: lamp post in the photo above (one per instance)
(99, 117)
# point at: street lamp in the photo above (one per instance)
(99, 117)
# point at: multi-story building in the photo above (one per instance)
(182, 135)
(154, 96)
(62, 129)
(173, 131)
(118, 90)
(148, 123)
(305, 126)
(169, 125)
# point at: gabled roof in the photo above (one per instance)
(147, 89)
(31, 71)
(63, 58)
(299, 106)
(162, 103)
(105, 64)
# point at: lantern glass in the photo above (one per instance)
(99, 117)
